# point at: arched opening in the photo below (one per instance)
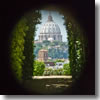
(50, 54)
(55, 47)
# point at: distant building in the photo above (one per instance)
(36, 42)
(43, 55)
(59, 65)
(49, 64)
(50, 31)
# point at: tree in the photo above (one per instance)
(76, 43)
(46, 42)
(32, 18)
(38, 68)
(36, 49)
(22, 46)
(17, 47)
(53, 51)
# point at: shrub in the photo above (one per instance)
(38, 68)
(66, 69)
(50, 71)
(60, 71)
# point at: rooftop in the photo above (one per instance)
(43, 50)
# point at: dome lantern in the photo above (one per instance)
(50, 17)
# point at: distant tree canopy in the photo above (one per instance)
(59, 60)
(46, 42)
(21, 48)
(53, 51)
(57, 53)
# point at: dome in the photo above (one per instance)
(50, 27)
(50, 31)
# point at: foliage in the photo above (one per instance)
(50, 71)
(46, 42)
(53, 51)
(21, 48)
(59, 60)
(57, 53)
(50, 60)
(37, 47)
(58, 71)
(32, 18)
(66, 69)
(17, 47)
(76, 43)
(61, 71)
(38, 68)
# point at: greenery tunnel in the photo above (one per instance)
(22, 45)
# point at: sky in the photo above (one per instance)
(58, 19)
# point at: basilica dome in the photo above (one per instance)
(50, 27)
(50, 30)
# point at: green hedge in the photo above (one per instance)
(38, 68)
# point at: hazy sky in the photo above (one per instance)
(57, 19)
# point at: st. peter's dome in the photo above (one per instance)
(50, 30)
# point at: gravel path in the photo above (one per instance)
(51, 77)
